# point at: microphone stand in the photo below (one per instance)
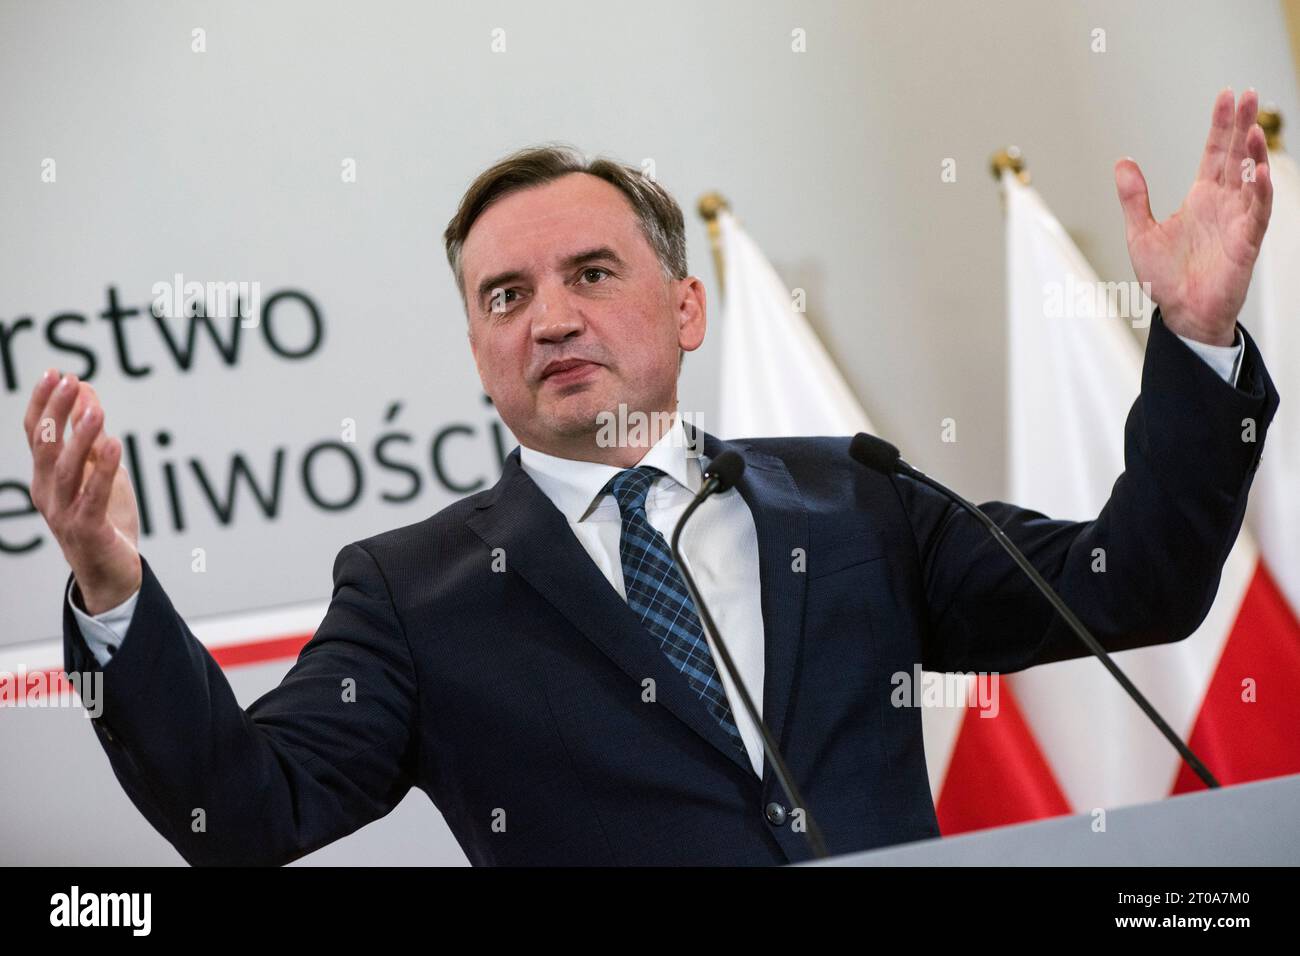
(884, 457)
(712, 484)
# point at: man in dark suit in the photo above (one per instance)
(529, 656)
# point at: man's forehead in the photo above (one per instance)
(535, 226)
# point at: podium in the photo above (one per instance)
(1249, 824)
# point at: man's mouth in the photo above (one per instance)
(567, 370)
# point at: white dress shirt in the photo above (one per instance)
(720, 545)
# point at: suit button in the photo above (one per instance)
(775, 814)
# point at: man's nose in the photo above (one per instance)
(555, 318)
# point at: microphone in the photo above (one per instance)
(880, 456)
(722, 474)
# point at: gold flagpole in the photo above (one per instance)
(1270, 121)
(709, 206)
(1009, 158)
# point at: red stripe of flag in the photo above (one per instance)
(997, 775)
(1236, 738)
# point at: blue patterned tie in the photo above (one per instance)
(658, 595)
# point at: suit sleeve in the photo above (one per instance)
(316, 758)
(1192, 443)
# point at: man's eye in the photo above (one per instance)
(587, 272)
(500, 299)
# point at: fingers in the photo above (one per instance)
(86, 397)
(100, 443)
(47, 439)
(1219, 139)
(70, 469)
(99, 486)
(40, 395)
(1247, 109)
(1133, 198)
(1260, 190)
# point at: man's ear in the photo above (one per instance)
(692, 313)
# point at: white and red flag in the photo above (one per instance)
(1071, 740)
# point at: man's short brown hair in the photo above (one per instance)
(659, 215)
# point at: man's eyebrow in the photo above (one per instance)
(597, 254)
(497, 281)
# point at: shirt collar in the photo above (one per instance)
(575, 486)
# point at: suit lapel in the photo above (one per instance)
(540, 546)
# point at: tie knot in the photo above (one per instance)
(631, 485)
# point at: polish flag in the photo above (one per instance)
(1274, 512)
(1071, 740)
(777, 379)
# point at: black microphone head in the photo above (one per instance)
(727, 469)
(876, 453)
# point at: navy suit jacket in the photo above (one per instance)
(516, 699)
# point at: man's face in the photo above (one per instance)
(562, 272)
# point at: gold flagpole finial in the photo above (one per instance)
(1270, 121)
(709, 206)
(1009, 159)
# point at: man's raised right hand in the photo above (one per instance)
(81, 490)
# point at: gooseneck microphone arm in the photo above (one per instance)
(880, 456)
(722, 474)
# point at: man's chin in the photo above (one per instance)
(575, 415)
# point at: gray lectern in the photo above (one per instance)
(1249, 824)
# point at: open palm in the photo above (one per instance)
(1199, 260)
